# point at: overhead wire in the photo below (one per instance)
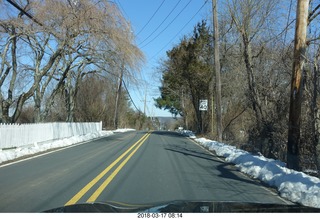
(176, 5)
(172, 22)
(180, 30)
(151, 17)
(125, 86)
(150, 34)
(123, 82)
(13, 3)
(167, 25)
(120, 7)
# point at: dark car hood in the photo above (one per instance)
(184, 207)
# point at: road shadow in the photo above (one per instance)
(193, 153)
(168, 133)
(117, 136)
(217, 166)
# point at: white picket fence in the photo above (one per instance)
(16, 135)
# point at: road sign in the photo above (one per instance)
(203, 105)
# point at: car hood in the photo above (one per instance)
(184, 207)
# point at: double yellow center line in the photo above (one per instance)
(105, 183)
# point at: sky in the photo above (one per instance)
(158, 26)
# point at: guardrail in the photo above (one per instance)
(17, 135)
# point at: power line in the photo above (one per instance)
(125, 86)
(161, 22)
(181, 29)
(122, 9)
(151, 17)
(168, 24)
(24, 12)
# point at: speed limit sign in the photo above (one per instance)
(203, 105)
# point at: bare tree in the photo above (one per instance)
(69, 39)
(250, 17)
(17, 31)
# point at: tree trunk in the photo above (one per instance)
(195, 101)
(293, 146)
(253, 92)
(6, 104)
(37, 105)
(61, 84)
(68, 92)
(315, 112)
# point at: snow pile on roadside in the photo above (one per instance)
(187, 133)
(292, 185)
(124, 130)
(11, 154)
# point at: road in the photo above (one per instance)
(134, 168)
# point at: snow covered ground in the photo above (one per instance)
(14, 153)
(292, 185)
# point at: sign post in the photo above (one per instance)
(203, 106)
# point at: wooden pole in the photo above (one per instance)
(217, 70)
(300, 46)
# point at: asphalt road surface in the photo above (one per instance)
(135, 168)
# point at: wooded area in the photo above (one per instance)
(257, 42)
(67, 60)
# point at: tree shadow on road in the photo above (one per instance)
(194, 153)
(218, 167)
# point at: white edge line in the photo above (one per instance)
(49, 152)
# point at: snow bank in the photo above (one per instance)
(124, 130)
(292, 185)
(11, 154)
(187, 133)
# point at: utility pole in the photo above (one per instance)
(217, 71)
(145, 103)
(118, 96)
(299, 58)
